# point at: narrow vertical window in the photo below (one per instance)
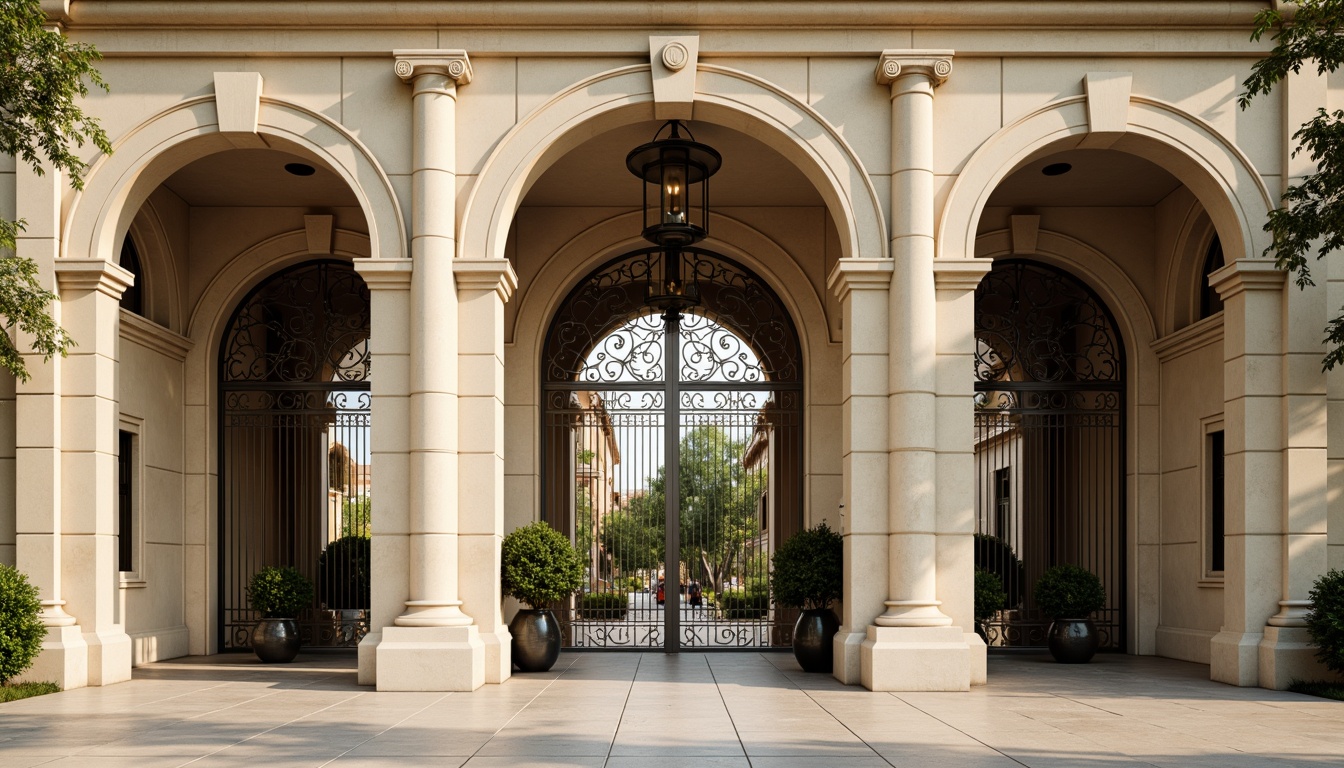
(1210, 303)
(1002, 501)
(1217, 521)
(132, 299)
(125, 501)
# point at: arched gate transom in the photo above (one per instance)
(672, 452)
(1049, 444)
(294, 463)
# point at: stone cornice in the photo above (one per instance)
(590, 14)
(960, 274)
(151, 335)
(893, 64)
(452, 64)
(485, 275)
(1194, 336)
(1247, 275)
(92, 275)
(859, 275)
(385, 274)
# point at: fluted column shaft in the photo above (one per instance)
(912, 513)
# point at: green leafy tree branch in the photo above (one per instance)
(43, 74)
(1312, 212)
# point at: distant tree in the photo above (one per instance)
(356, 517)
(1312, 212)
(42, 74)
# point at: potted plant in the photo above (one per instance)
(278, 594)
(989, 599)
(538, 567)
(808, 573)
(344, 587)
(1068, 595)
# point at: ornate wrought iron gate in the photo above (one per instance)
(1050, 437)
(671, 449)
(294, 449)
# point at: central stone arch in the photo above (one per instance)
(723, 96)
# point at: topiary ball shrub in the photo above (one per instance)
(279, 592)
(995, 555)
(21, 628)
(1325, 621)
(344, 574)
(603, 606)
(744, 604)
(1069, 592)
(989, 595)
(808, 570)
(539, 565)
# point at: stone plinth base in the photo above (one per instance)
(979, 658)
(368, 658)
(916, 659)
(848, 648)
(430, 659)
(1234, 658)
(109, 656)
(498, 654)
(64, 659)
(1286, 654)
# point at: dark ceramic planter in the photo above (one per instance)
(812, 636)
(1073, 641)
(276, 641)
(536, 640)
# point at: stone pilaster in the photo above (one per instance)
(913, 644)
(483, 286)
(1253, 339)
(90, 291)
(433, 645)
(863, 287)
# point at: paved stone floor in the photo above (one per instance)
(652, 710)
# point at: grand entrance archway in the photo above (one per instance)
(1049, 444)
(672, 453)
(294, 450)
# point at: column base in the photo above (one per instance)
(368, 658)
(109, 656)
(915, 659)
(1234, 658)
(847, 647)
(498, 654)
(430, 659)
(1287, 654)
(64, 659)
(979, 658)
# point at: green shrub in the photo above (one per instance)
(1325, 621)
(603, 606)
(16, 691)
(1069, 592)
(539, 565)
(739, 604)
(996, 556)
(989, 595)
(808, 569)
(344, 573)
(279, 592)
(629, 583)
(21, 628)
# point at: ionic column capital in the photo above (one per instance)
(453, 64)
(93, 275)
(485, 275)
(936, 66)
(1247, 275)
(860, 274)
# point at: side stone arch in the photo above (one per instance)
(1213, 168)
(723, 96)
(118, 184)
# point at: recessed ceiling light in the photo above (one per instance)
(1056, 169)
(300, 169)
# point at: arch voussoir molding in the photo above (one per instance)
(1219, 174)
(143, 158)
(723, 96)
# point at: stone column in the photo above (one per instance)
(434, 645)
(1252, 292)
(863, 287)
(913, 645)
(956, 281)
(483, 285)
(90, 291)
(37, 449)
(389, 282)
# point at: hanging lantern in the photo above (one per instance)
(676, 173)
(671, 291)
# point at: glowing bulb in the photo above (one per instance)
(674, 196)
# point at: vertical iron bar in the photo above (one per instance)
(672, 495)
